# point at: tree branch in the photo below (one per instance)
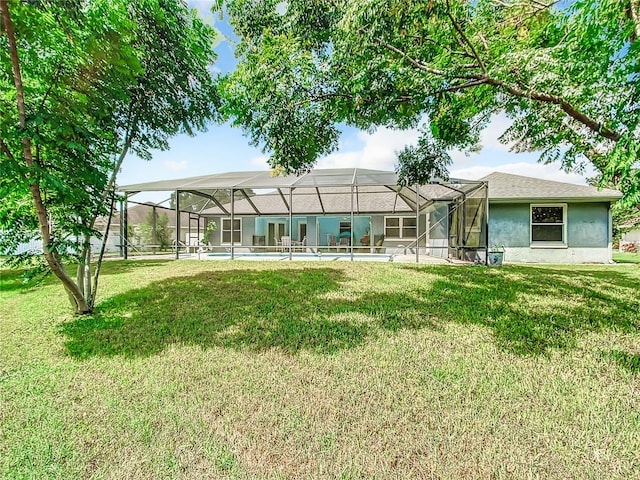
(484, 79)
(48, 92)
(633, 12)
(465, 39)
(421, 65)
(462, 86)
(5, 149)
(566, 107)
(103, 246)
(451, 51)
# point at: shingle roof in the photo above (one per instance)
(329, 191)
(138, 214)
(509, 187)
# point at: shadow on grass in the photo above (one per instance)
(529, 310)
(236, 308)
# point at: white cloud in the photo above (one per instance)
(175, 165)
(537, 170)
(488, 141)
(496, 127)
(260, 161)
(378, 150)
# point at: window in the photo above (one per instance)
(548, 225)
(400, 227)
(237, 230)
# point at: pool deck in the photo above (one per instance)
(321, 257)
(303, 257)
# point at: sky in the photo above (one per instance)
(223, 148)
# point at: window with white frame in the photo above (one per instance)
(226, 230)
(400, 227)
(548, 224)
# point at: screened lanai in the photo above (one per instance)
(347, 212)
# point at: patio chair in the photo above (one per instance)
(379, 241)
(278, 244)
(286, 243)
(299, 246)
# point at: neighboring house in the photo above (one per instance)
(139, 214)
(630, 239)
(364, 211)
(543, 221)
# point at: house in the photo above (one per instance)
(543, 221)
(360, 211)
(140, 216)
(630, 237)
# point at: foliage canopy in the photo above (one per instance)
(566, 76)
(83, 83)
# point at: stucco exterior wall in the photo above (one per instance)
(587, 234)
(214, 237)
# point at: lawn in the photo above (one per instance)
(625, 257)
(244, 370)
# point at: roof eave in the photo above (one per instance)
(553, 199)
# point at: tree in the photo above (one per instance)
(156, 231)
(84, 82)
(625, 216)
(567, 77)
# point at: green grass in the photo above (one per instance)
(624, 257)
(246, 370)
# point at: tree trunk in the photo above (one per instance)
(86, 251)
(103, 247)
(56, 266)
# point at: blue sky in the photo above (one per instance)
(223, 148)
